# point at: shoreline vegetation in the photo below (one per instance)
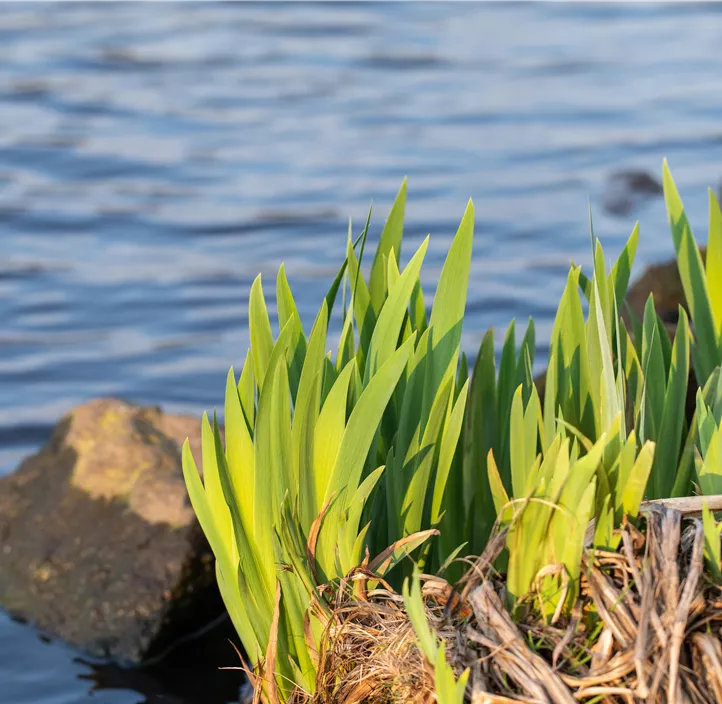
(391, 525)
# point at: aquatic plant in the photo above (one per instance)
(342, 477)
(327, 459)
(702, 283)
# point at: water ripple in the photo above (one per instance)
(155, 158)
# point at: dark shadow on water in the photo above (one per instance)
(189, 674)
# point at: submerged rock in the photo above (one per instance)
(626, 189)
(98, 542)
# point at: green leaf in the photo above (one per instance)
(247, 391)
(200, 504)
(349, 549)
(480, 436)
(694, 280)
(407, 435)
(412, 507)
(525, 361)
(524, 431)
(669, 439)
(447, 312)
(601, 291)
(574, 540)
(388, 325)
(585, 283)
(709, 468)
(416, 612)
(333, 290)
(622, 269)
(329, 433)
(714, 262)
(358, 501)
(364, 421)
(269, 460)
(392, 271)
(685, 471)
(389, 242)
(448, 690)
(305, 417)
(654, 388)
(636, 325)
(633, 489)
(571, 376)
(214, 518)
(507, 384)
(417, 309)
(611, 406)
(257, 574)
(214, 491)
(503, 509)
(238, 614)
(287, 311)
(712, 552)
(239, 452)
(463, 375)
(362, 308)
(260, 330)
(449, 440)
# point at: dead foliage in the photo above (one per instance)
(646, 628)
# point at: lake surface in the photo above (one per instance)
(155, 158)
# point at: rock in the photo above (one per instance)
(661, 280)
(626, 189)
(99, 545)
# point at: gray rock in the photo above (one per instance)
(98, 542)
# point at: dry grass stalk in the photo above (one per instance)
(372, 655)
(657, 638)
(646, 628)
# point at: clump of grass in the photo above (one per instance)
(341, 478)
(327, 460)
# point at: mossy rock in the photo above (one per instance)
(98, 542)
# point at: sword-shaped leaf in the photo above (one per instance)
(694, 281)
(260, 330)
(389, 242)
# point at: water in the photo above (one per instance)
(155, 158)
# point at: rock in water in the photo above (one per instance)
(626, 189)
(664, 283)
(98, 542)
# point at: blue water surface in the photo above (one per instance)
(155, 157)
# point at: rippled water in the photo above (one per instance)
(155, 158)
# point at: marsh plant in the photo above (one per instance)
(334, 461)
(346, 473)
